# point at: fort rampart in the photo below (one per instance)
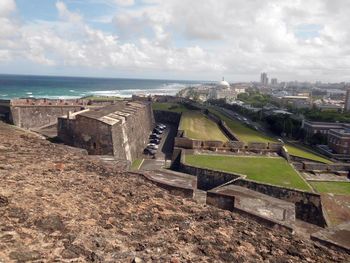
(308, 205)
(121, 129)
(167, 117)
(36, 113)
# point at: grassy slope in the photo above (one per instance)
(247, 134)
(244, 133)
(274, 171)
(199, 127)
(293, 150)
(174, 107)
(332, 187)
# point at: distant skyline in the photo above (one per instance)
(177, 39)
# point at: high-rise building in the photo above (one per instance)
(274, 81)
(264, 79)
(347, 100)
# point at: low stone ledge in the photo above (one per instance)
(308, 206)
(337, 237)
(227, 203)
(182, 188)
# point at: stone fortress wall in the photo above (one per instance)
(121, 129)
(35, 113)
(181, 141)
(167, 117)
(82, 132)
(135, 122)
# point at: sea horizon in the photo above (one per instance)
(73, 87)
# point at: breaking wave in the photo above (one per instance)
(165, 89)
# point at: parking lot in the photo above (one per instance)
(164, 152)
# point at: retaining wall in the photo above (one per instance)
(222, 125)
(334, 167)
(207, 179)
(186, 143)
(167, 117)
(221, 201)
(308, 206)
(227, 131)
(257, 146)
(311, 166)
(284, 153)
(228, 203)
(29, 117)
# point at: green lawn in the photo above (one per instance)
(165, 106)
(247, 134)
(274, 171)
(136, 164)
(197, 126)
(332, 187)
(306, 154)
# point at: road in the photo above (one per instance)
(243, 119)
(163, 156)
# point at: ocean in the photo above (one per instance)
(19, 86)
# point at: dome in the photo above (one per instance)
(224, 84)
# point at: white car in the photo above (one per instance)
(152, 146)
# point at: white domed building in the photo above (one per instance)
(223, 84)
(222, 90)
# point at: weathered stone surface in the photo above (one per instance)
(50, 223)
(63, 206)
(23, 255)
(3, 201)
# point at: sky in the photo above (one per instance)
(305, 40)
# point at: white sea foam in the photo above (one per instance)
(59, 97)
(165, 89)
(29, 93)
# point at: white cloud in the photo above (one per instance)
(65, 14)
(7, 7)
(195, 39)
(124, 2)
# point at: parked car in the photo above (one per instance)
(152, 146)
(155, 141)
(161, 126)
(154, 136)
(157, 131)
(149, 151)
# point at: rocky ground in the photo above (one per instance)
(59, 205)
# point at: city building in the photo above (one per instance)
(339, 140)
(264, 79)
(298, 102)
(313, 127)
(347, 101)
(274, 81)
